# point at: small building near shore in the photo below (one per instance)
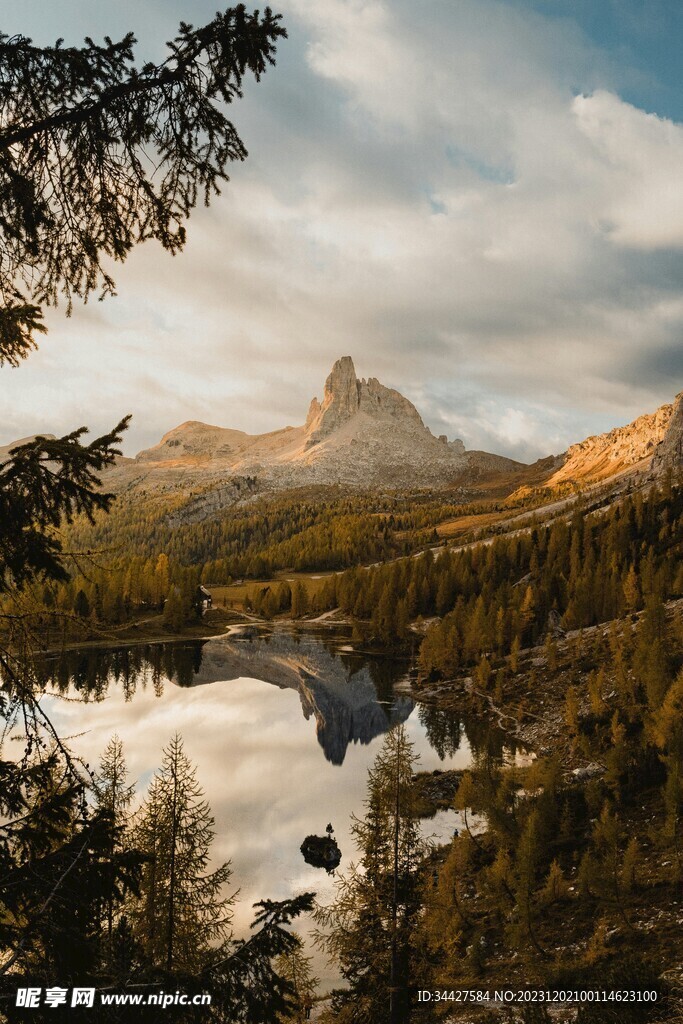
(203, 600)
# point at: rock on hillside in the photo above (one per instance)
(669, 451)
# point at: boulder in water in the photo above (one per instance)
(321, 852)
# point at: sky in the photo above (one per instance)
(480, 201)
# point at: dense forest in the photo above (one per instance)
(315, 529)
(556, 884)
(140, 557)
(137, 559)
(490, 599)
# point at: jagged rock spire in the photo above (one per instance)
(345, 395)
(340, 401)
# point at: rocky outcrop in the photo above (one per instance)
(345, 396)
(669, 452)
(362, 435)
(206, 505)
(340, 402)
(652, 441)
(385, 403)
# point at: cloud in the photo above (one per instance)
(454, 194)
(641, 156)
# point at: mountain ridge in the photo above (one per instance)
(365, 435)
(653, 438)
(362, 434)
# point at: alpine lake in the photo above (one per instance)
(282, 725)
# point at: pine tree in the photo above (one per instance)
(300, 602)
(82, 605)
(184, 911)
(96, 156)
(514, 654)
(377, 907)
(161, 581)
(466, 798)
(555, 887)
(629, 865)
(295, 967)
(176, 609)
(113, 792)
(631, 590)
(527, 859)
(673, 805)
(113, 795)
(608, 865)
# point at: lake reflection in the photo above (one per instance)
(247, 708)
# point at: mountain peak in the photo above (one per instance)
(340, 402)
(345, 396)
(362, 434)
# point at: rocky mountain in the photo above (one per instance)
(651, 443)
(361, 434)
(366, 436)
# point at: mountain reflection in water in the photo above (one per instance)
(349, 695)
(348, 701)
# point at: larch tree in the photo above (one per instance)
(295, 967)
(182, 916)
(184, 911)
(370, 926)
(114, 796)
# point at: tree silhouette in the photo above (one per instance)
(97, 155)
(114, 796)
(184, 910)
(370, 926)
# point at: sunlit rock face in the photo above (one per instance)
(345, 396)
(669, 452)
(653, 441)
(362, 435)
(342, 701)
(341, 401)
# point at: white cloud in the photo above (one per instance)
(427, 192)
(641, 156)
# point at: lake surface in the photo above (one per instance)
(282, 727)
